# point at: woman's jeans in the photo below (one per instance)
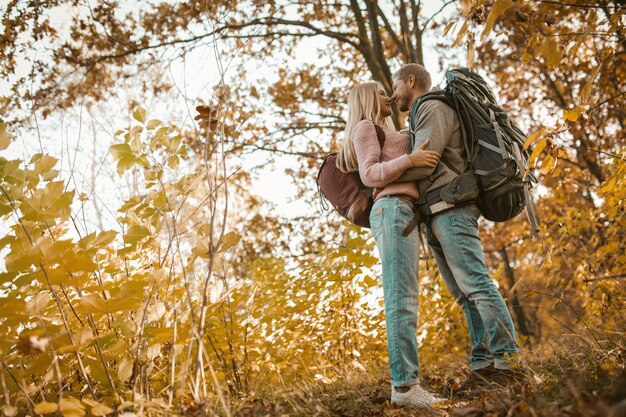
(453, 239)
(399, 256)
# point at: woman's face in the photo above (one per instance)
(384, 103)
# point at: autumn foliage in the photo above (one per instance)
(200, 298)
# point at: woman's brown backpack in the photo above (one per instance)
(346, 192)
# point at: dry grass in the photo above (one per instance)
(580, 381)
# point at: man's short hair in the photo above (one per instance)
(422, 77)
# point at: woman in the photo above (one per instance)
(392, 211)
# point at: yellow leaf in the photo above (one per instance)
(140, 114)
(470, 52)
(229, 240)
(135, 233)
(125, 370)
(135, 143)
(44, 164)
(98, 409)
(172, 162)
(369, 281)
(497, 10)
(38, 303)
(533, 137)
(461, 35)
(448, 28)
(586, 90)
(71, 407)
(5, 137)
(526, 57)
(153, 124)
(574, 114)
(120, 150)
(153, 351)
(548, 164)
(46, 408)
(9, 410)
(101, 410)
(537, 151)
(551, 52)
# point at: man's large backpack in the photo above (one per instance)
(494, 146)
(346, 192)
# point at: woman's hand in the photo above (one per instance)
(423, 158)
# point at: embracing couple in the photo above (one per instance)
(404, 168)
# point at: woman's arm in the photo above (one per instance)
(373, 172)
(378, 174)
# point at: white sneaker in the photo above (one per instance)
(416, 396)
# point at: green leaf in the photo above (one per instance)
(140, 114)
(46, 408)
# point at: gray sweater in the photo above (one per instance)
(438, 122)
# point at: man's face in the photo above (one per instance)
(402, 94)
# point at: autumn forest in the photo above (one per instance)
(164, 249)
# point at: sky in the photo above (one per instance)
(80, 137)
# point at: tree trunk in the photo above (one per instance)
(520, 316)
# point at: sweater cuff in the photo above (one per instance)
(405, 162)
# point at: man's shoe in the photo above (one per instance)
(477, 382)
(416, 396)
(507, 377)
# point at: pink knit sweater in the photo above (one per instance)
(380, 168)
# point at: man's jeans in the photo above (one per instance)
(453, 239)
(399, 256)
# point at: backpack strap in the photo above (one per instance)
(451, 101)
(380, 135)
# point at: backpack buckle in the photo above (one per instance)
(440, 206)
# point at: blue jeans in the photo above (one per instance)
(454, 241)
(399, 256)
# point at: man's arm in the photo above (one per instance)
(435, 122)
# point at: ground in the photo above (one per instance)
(562, 384)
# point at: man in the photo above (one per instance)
(452, 234)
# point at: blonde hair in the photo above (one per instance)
(363, 104)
